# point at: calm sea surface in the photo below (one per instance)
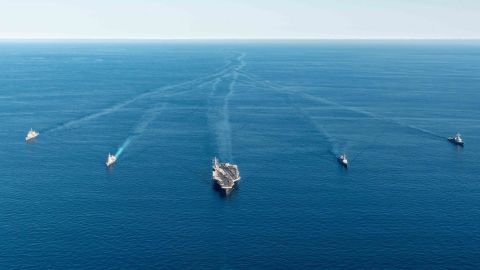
(282, 112)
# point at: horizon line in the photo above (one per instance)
(236, 39)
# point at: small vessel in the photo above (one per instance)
(110, 160)
(343, 160)
(457, 139)
(225, 174)
(32, 134)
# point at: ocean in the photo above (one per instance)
(282, 111)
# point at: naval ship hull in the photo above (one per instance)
(452, 140)
(29, 138)
(342, 163)
(225, 191)
(224, 186)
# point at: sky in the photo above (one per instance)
(239, 19)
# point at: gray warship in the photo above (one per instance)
(457, 139)
(225, 174)
(342, 159)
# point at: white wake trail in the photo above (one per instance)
(140, 128)
(114, 108)
(219, 116)
(334, 145)
(340, 106)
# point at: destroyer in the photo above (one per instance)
(457, 139)
(343, 160)
(32, 134)
(110, 160)
(225, 174)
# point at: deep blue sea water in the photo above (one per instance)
(282, 111)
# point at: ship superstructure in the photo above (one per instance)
(31, 135)
(110, 160)
(225, 174)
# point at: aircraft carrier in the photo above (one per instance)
(225, 174)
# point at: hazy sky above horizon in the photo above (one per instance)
(240, 19)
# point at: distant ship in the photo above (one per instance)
(225, 174)
(457, 139)
(110, 160)
(32, 134)
(343, 160)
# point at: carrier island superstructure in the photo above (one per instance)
(225, 174)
